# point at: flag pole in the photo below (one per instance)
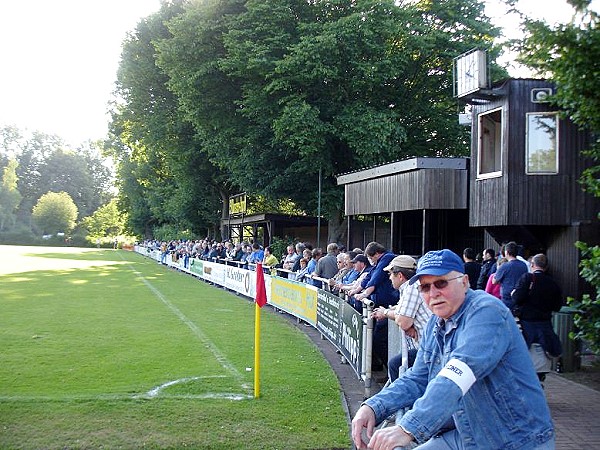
(256, 350)
(260, 301)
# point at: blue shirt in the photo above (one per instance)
(384, 293)
(256, 256)
(504, 407)
(507, 275)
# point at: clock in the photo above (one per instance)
(470, 72)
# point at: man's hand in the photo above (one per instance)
(389, 438)
(364, 418)
(412, 333)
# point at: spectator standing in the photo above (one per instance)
(327, 266)
(536, 296)
(300, 247)
(344, 267)
(315, 255)
(490, 287)
(238, 252)
(509, 273)
(378, 286)
(269, 259)
(257, 254)
(411, 314)
(488, 267)
(361, 269)
(290, 258)
(472, 267)
(472, 385)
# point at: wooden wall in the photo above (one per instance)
(420, 189)
(514, 197)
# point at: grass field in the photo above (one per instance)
(107, 349)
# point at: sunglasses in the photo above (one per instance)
(439, 284)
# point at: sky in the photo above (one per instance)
(59, 59)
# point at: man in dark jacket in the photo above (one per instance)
(472, 267)
(488, 267)
(536, 296)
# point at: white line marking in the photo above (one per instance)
(197, 331)
(121, 397)
(225, 363)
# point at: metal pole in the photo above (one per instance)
(319, 212)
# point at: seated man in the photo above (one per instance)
(473, 384)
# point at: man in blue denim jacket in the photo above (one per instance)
(473, 385)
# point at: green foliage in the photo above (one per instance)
(570, 55)
(587, 320)
(163, 176)
(55, 212)
(46, 164)
(10, 197)
(107, 221)
(168, 232)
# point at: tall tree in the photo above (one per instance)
(10, 197)
(55, 212)
(280, 89)
(570, 55)
(165, 179)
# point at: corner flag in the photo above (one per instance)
(260, 301)
(261, 291)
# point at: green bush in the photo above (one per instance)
(587, 319)
(169, 232)
(20, 237)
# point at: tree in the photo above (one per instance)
(164, 176)
(277, 90)
(570, 55)
(55, 212)
(107, 221)
(9, 196)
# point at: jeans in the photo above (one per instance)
(451, 441)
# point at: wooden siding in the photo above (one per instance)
(516, 198)
(419, 189)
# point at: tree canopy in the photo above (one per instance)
(268, 93)
(55, 212)
(569, 54)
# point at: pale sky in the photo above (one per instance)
(60, 57)
(59, 61)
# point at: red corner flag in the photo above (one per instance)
(261, 291)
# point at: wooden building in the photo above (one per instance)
(525, 165)
(410, 206)
(520, 184)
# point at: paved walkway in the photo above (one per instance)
(575, 408)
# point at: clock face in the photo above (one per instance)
(470, 72)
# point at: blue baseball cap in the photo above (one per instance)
(438, 262)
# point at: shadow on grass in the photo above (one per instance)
(86, 255)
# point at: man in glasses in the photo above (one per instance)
(472, 385)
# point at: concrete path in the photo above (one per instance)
(576, 413)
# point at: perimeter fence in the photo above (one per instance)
(347, 329)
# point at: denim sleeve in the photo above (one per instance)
(480, 341)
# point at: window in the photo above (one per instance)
(542, 148)
(490, 144)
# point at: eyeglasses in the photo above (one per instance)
(439, 284)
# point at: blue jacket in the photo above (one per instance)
(503, 408)
(384, 293)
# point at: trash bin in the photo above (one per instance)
(562, 323)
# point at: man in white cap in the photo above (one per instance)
(473, 384)
(411, 314)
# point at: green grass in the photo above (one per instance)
(107, 349)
